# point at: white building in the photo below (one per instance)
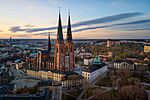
(83, 55)
(124, 65)
(98, 68)
(18, 64)
(92, 74)
(87, 61)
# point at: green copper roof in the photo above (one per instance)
(96, 60)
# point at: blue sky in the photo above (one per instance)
(90, 18)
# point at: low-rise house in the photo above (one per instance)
(120, 64)
(147, 48)
(84, 55)
(71, 80)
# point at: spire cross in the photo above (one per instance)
(59, 9)
(48, 33)
(69, 12)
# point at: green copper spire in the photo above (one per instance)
(96, 61)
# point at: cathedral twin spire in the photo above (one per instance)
(69, 33)
(60, 32)
(64, 52)
(49, 43)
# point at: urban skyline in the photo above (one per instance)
(98, 19)
(78, 57)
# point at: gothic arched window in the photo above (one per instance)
(57, 50)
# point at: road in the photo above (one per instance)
(57, 93)
(5, 88)
(92, 84)
(16, 73)
(148, 92)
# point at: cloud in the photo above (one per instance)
(82, 23)
(16, 29)
(107, 19)
(89, 28)
(94, 27)
(24, 35)
(116, 25)
(29, 25)
(40, 29)
(46, 33)
(138, 29)
(135, 22)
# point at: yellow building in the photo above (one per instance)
(57, 76)
(40, 74)
(147, 48)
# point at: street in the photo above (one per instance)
(57, 93)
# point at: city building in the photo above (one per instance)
(46, 74)
(45, 60)
(41, 96)
(72, 80)
(84, 55)
(87, 62)
(119, 64)
(106, 57)
(147, 48)
(110, 43)
(64, 52)
(19, 64)
(68, 80)
(98, 68)
(61, 67)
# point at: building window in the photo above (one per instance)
(57, 50)
(61, 50)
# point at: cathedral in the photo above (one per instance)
(63, 59)
(58, 66)
(64, 50)
(45, 60)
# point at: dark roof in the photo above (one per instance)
(57, 71)
(118, 61)
(42, 96)
(93, 68)
(68, 75)
(72, 76)
(146, 44)
(44, 51)
(127, 61)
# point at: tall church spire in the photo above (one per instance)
(49, 43)
(69, 33)
(59, 31)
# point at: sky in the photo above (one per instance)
(91, 19)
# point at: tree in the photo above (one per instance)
(33, 90)
(133, 92)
